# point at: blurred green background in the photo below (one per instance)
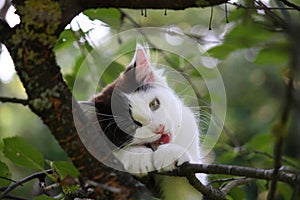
(251, 52)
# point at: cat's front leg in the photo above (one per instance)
(168, 156)
(136, 159)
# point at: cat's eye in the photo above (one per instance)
(154, 104)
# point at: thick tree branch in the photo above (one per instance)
(71, 8)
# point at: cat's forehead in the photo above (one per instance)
(148, 95)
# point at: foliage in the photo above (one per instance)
(22, 154)
(19, 152)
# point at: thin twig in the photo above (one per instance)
(258, 7)
(275, 18)
(50, 187)
(290, 4)
(280, 131)
(38, 175)
(289, 163)
(5, 178)
(14, 100)
(223, 180)
(226, 189)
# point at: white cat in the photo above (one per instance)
(152, 127)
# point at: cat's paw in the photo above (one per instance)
(168, 156)
(136, 160)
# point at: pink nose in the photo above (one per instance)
(160, 130)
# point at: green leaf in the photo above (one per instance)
(274, 55)
(247, 35)
(64, 168)
(242, 36)
(5, 175)
(237, 14)
(237, 193)
(65, 39)
(221, 52)
(227, 157)
(110, 16)
(262, 142)
(285, 191)
(21, 153)
(112, 72)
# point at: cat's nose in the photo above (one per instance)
(161, 129)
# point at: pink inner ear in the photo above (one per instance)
(143, 71)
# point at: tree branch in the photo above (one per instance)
(289, 163)
(208, 192)
(39, 175)
(71, 8)
(249, 174)
(290, 4)
(266, 174)
(281, 128)
(14, 100)
(226, 189)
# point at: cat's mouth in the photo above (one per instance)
(165, 138)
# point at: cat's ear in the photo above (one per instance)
(141, 63)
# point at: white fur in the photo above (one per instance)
(180, 122)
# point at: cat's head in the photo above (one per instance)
(152, 104)
(139, 107)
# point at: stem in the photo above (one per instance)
(14, 100)
(38, 175)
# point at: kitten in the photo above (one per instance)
(153, 129)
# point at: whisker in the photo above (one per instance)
(109, 125)
(107, 115)
(103, 120)
(101, 114)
